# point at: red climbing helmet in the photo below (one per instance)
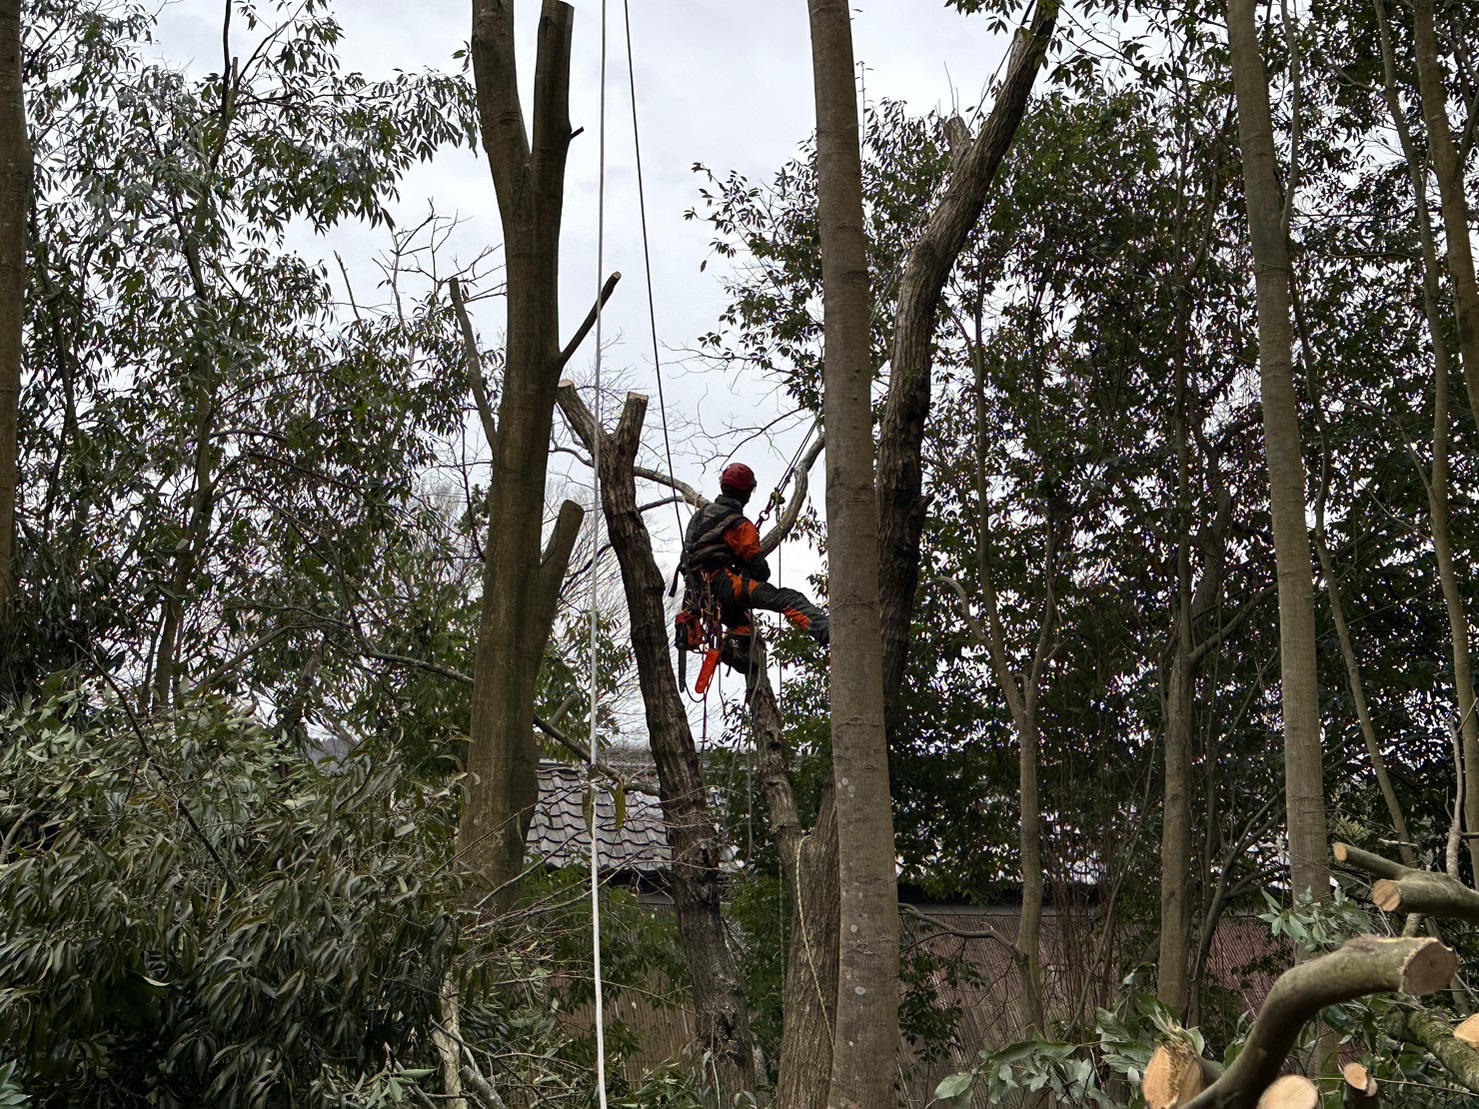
(738, 476)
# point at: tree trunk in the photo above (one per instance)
(1437, 479)
(693, 839)
(1021, 694)
(15, 195)
(1174, 963)
(1454, 203)
(520, 587)
(866, 1044)
(1299, 686)
(901, 507)
(197, 526)
(809, 868)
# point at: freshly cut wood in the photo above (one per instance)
(1468, 1031)
(1172, 1076)
(1360, 1087)
(1377, 866)
(1426, 892)
(1290, 1091)
(1364, 965)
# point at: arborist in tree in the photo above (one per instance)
(725, 572)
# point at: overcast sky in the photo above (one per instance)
(720, 82)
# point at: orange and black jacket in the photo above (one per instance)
(720, 538)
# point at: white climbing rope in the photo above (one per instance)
(600, 1013)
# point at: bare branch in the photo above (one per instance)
(475, 380)
(586, 324)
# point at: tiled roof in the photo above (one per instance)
(558, 831)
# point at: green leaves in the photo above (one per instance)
(293, 937)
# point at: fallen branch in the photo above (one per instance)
(1429, 893)
(1432, 1032)
(1364, 965)
(1378, 866)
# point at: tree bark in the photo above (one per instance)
(1299, 685)
(809, 868)
(901, 507)
(1449, 171)
(15, 195)
(866, 1043)
(1430, 1031)
(693, 839)
(520, 587)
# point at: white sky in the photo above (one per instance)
(720, 82)
(723, 82)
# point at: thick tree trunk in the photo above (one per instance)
(809, 868)
(1299, 686)
(15, 195)
(810, 998)
(901, 507)
(520, 587)
(696, 846)
(866, 1045)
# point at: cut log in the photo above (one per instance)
(1365, 965)
(1426, 892)
(1173, 1076)
(1290, 1091)
(1468, 1031)
(1377, 866)
(1360, 1087)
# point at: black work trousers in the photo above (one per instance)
(738, 594)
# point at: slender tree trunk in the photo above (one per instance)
(15, 195)
(693, 838)
(901, 506)
(866, 1045)
(198, 515)
(1021, 693)
(520, 587)
(1174, 963)
(1437, 479)
(1358, 698)
(1299, 685)
(1453, 200)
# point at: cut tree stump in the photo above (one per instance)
(1360, 1087)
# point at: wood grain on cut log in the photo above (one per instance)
(1360, 1087)
(1468, 1031)
(1427, 892)
(1365, 965)
(1172, 1077)
(1290, 1091)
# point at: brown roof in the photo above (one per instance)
(559, 836)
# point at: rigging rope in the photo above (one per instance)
(662, 406)
(600, 432)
